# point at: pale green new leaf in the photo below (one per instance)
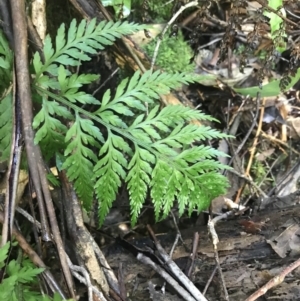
(270, 89)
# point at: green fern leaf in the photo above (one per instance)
(110, 171)
(138, 179)
(3, 254)
(51, 132)
(6, 126)
(69, 86)
(140, 89)
(7, 287)
(161, 158)
(6, 63)
(6, 102)
(24, 274)
(82, 39)
(80, 159)
(159, 153)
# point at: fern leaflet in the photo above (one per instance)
(6, 105)
(6, 125)
(78, 45)
(79, 162)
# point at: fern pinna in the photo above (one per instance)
(150, 151)
(6, 109)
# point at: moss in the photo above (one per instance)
(158, 10)
(174, 54)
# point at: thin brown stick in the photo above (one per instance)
(215, 240)
(210, 280)
(253, 148)
(24, 90)
(193, 254)
(13, 169)
(180, 290)
(188, 284)
(249, 181)
(274, 281)
(275, 140)
(34, 157)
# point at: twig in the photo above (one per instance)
(250, 182)
(109, 274)
(85, 280)
(215, 239)
(253, 148)
(274, 281)
(273, 139)
(188, 284)
(34, 157)
(193, 254)
(179, 289)
(182, 8)
(176, 226)
(174, 245)
(80, 234)
(249, 131)
(121, 282)
(209, 280)
(13, 168)
(29, 217)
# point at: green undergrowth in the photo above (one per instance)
(20, 280)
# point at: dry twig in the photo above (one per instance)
(274, 281)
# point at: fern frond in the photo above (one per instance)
(160, 155)
(138, 179)
(6, 61)
(79, 43)
(141, 89)
(69, 85)
(24, 274)
(6, 125)
(3, 254)
(6, 101)
(110, 171)
(80, 158)
(51, 131)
